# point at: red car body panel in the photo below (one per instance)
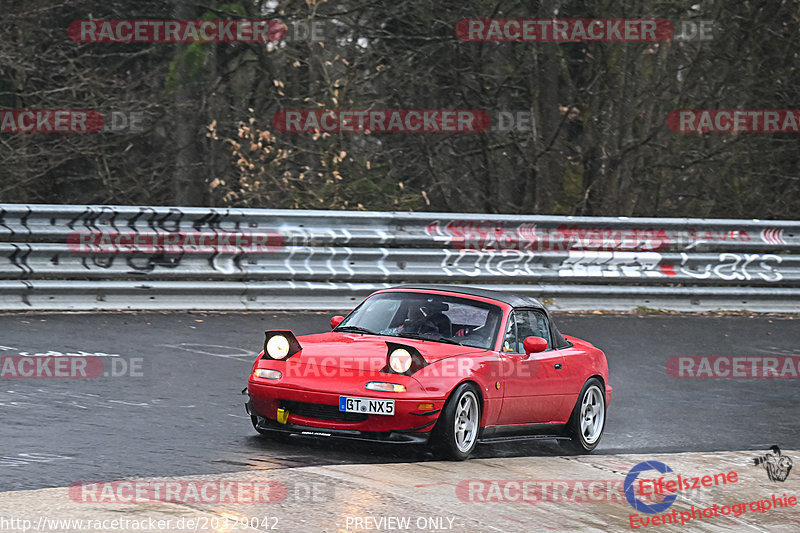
(516, 390)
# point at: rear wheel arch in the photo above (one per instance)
(579, 442)
(599, 378)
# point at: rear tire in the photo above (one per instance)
(588, 419)
(456, 433)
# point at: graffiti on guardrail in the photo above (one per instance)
(326, 263)
(475, 235)
(83, 244)
(730, 267)
(146, 242)
(527, 237)
(513, 263)
(612, 264)
(593, 264)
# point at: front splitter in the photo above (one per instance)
(267, 425)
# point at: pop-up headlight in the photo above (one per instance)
(280, 344)
(403, 359)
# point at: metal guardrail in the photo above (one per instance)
(56, 257)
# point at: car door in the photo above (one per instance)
(533, 384)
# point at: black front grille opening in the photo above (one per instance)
(321, 411)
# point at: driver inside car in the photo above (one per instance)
(418, 322)
(435, 313)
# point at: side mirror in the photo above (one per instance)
(534, 345)
(335, 321)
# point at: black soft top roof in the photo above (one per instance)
(511, 299)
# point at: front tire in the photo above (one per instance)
(456, 433)
(588, 419)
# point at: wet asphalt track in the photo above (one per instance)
(185, 415)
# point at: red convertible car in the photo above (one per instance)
(445, 365)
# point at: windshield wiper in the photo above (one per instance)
(356, 329)
(412, 335)
(421, 336)
(449, 341)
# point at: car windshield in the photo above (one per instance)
(441, 318)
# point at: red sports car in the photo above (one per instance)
(445, 365)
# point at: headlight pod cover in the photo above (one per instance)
(280, 344)
(403, 359)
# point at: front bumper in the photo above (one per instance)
(264, 424)
(408, 424)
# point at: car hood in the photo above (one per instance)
(367, 352)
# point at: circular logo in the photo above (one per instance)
(630, 481)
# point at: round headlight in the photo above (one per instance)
(400, 361)
(278, 347)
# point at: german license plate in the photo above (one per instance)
(367, 406)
